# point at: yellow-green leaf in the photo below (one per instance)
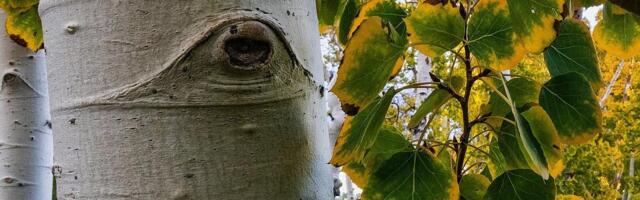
(474, 186)
(327, 12)
(497, 164)
(367, 65)
(349, 12)
(434, 101)
(25, 28)
(618, 33)
(521, 150)
(492, 39)
(390, 12)
(389, 142)
(586, 3)
(358, 133)
(545, 133)
(522, 91)
(434, 29)
(533, 21)
(17, 5)
(357, 172)
(573, 51)
(521, 184)
(630, 5)
(412, 175)
(572, 106)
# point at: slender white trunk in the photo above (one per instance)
(423, 68)
(26, 151)
(615, 77)
(201, 99)
(627, 87)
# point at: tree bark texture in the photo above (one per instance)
(200, 99)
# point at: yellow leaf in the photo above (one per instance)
(434, 29)
(369, 60)
(362, 15)
(17, 5)
(336, 159)
(618, 34)
(533, 21)
(25, 28)
(492, 39)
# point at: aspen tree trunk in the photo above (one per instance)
(26, 151)
(423, 68)
(200, 99)
(424, 64)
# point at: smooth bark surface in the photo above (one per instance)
(26, 151)
(202, 99)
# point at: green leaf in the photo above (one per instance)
(533, 21)
(327, 11)
(521, 184)
(545, 133)
(541, 135)
(435, 28)
(412, 175)
(389, 11)
(389, 142)
(572, 106)
(358, 133)
(522, 91)
(492, 39)
(586, 3)
(486, 172)
(474, 186)
(573, 51)
(18, 5)
(367, 65)
(25, 28)
(349, 12)
(357, 172)
(518, 156)
(629, 5)
(498, 164)
(434, 101)
(618, 33)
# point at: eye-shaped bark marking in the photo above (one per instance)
(248, 45)
(13, 85)
(243, 61)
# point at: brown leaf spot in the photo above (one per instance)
(350, 109)
(19, 40)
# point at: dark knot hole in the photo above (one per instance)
(8, 78)
(247, 52)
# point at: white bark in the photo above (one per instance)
(423, 68)
(632, 167)
(201, 99)
(424, 65)
(26, 151)
(615, 77)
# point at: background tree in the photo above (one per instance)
(26, 151)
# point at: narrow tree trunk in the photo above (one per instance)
(201, 99)
(26, 151)
(627, 87)
(632, 167)
(613, 81)
(423, 68)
